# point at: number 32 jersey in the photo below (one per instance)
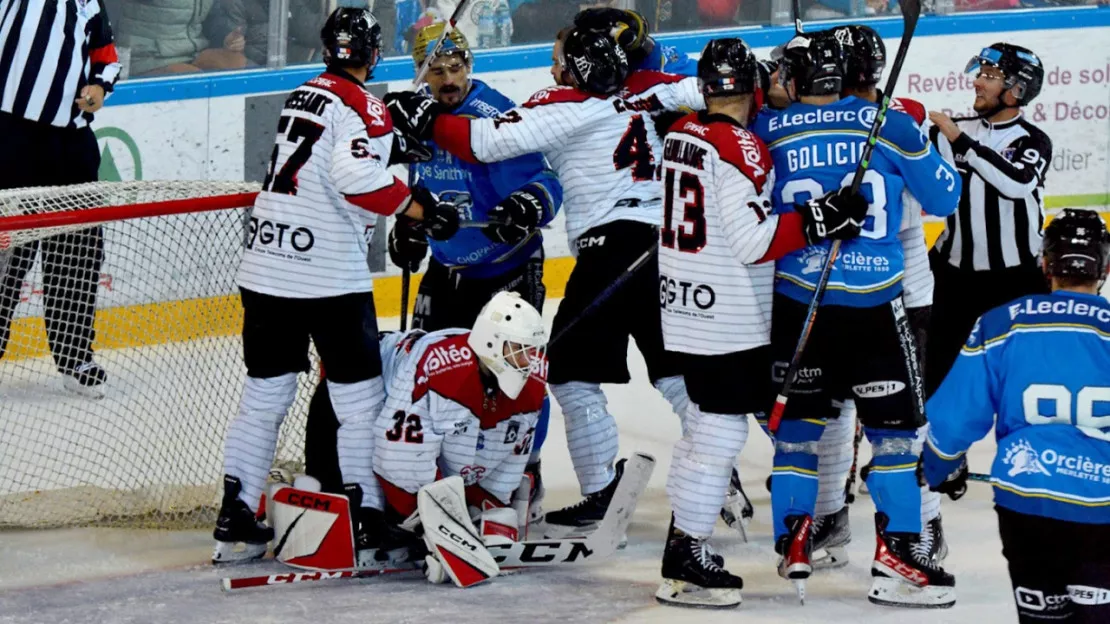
(310, 226)
(815, 150)
(1042, 364)
(439, 420)
(604, 150)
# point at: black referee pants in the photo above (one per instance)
(38, 154)
(959, 299)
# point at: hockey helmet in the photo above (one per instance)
(815, 62)
(509, 339)
(1022, 70)
(728, 67)
(864, 52)
(454, 43)
(627, 27)
(352, 38)
(596, 63)
(1076, 244)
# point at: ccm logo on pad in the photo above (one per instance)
(878, 389)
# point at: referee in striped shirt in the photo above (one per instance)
(988, 253)
(57, 64)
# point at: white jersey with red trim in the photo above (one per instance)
(439, 419)
(604, 150)
(310, 227)
(718, 232)
(917, 278)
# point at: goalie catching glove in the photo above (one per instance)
(835, 216)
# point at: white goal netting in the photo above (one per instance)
(167, 325)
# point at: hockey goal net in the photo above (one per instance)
(167, 327)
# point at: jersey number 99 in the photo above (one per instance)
(1065, 406)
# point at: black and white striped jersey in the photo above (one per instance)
(49, 51)
(1001, 214)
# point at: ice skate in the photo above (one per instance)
(932, 540)
(86, 380)
(796, 547)
(831, 533)
(903, 575)
(582, 518)
(535, 497)
(693, 577)
(737, 511)
(239, 535)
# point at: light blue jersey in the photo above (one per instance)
(1042, 364)
(815, 150)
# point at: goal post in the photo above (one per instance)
(167, 333)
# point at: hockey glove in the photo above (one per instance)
(414, 115)
(628, 29)
(441, 220)
(955, 485)
(407, 243)
(836, 215)
(515, 217)
(407, 150)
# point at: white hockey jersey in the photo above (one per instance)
(311, 225)
(715, 282)
(439, 420)
(604, 149)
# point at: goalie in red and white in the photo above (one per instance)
(449, 452)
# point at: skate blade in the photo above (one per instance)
(738, 523)
(833, 558)
(800, 587)
(237, 552)
(683, 594)
(892, 592)
(89, 392)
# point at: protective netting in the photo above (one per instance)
(167, 324)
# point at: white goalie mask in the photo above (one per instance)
(509, 339)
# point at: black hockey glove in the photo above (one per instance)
(408, 151)
(407, 243)
(515, 217)
(414, 115)
(441, 220)
(628, 28)
(955, 485)
(836, 215)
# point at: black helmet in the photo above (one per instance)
(352, 38)
(864, 52)
(728, 67)
(628, 27)
(1021, 68)
(815, 62)
(1076, 244)
(596, 63)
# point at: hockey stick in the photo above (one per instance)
(911, 10)
(406, 280)
(599, 544)
(455, 15)
(797, 5)
(605, 294)
(978, 476)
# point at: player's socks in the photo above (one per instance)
(253, 434)
(674, 390)
(356, 406)
(892, 479)
(835, 461)
(794, 478)
(701, 467)
(591, 433)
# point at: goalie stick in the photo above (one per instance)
(599, 544)
(911, 10)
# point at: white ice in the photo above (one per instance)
(113, 576)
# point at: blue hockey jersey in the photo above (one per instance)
(476, 188)
(1042, 364)
(668, 59)
(815, 150)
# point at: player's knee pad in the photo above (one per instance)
(582, 402)
(674, 390)
(266, 400)
(358, 402)
(892, 477)
(701, 467)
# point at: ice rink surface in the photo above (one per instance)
(115, 576)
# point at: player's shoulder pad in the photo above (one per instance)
(643, 79)
(370, 109)
(913, 108)
(902, 131)
(486, 101)
(449, 368)
(557, 95)
(735, 145)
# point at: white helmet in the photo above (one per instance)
(509, 339)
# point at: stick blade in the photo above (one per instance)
(637, 473)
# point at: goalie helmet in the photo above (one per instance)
(596, 63)
(352, 38)
(728, 67)
(1020, 68)
(1076, 244)
(865, 55)
(509, 339)
(815, 62)
(454, 43)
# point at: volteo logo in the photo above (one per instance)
(444, 357)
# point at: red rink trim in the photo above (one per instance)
(385, 201)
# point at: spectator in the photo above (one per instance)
(167, 37)
(244, 26)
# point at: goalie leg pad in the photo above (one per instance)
(455, 548)
(312, 530)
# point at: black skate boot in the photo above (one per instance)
(86, 380)
(796, 547)
(237, 525)
(932, 544)
(583, 517)
(737, 511)
(535, 496)
(831, 533)
(693, 577)
(903, 574)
